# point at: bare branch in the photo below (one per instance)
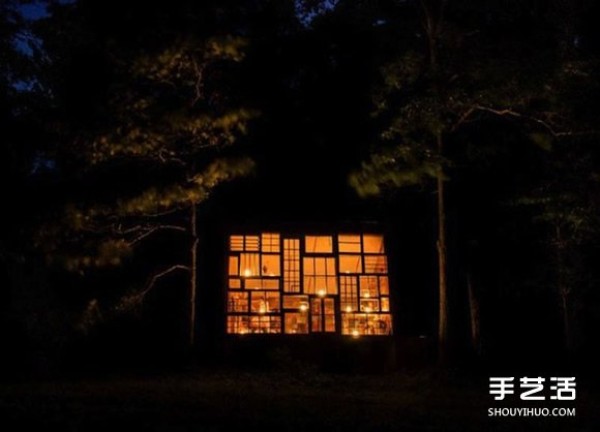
(507, 112)
(152, 230)
(199, 85)
(160, 275)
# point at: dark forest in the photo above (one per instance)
(141, 140)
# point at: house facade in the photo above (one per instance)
(307, 283)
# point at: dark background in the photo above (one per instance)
(314, 71)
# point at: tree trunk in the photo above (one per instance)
(442, 271)
(193, 275)
(474, 315)
(563, 288)
(566, 322)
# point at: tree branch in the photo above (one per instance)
(152, 230)
(507, 112)
(160, 275)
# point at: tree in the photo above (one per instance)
(464, 75)
(162, 138)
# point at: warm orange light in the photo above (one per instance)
(303, 284)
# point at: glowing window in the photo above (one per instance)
(249, 264)
(348, 293)
(296, 322)
(270, 265)
(291, 265)
(299, 302)
(369, 286)
(244, 243)
(385, 304)
(320, 275)
(373, 244)
(350, 264)
(384, 287)
(263, 302)
(237, 302)
(318, 244)
(236, 243)
(375, 264)
(261, 284)
(349, 243)
(234, 266)
(270, 242)
(334, 283)
(264, 324)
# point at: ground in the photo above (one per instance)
(284, 401)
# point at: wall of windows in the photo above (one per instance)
(308, 284)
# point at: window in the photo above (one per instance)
(349, 243)
(321, 244)
(312, 284)
(320, 276)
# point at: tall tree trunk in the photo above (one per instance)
(474, 315)
(433, 11)
(442, 266)
(566, 322)
(563, 288)
(193, 275)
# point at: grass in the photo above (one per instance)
(285, 401)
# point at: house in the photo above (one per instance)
(300, 283)
(316, 278)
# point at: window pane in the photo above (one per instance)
(249, 264)
(384, 287)
(264, 302)
(349, 243)
(270, 242)
(236, 243)
(373, 243)
(369, 305)
(375, 264)
(385, 304)
(350, 264)
(329, 315)
(291, 265)
(348, 293)
(265, 324)
(295, 302)
(270, 265)
(237, 324)
(268, 284)
(251, 243)
(233, 266)
(237, 302)
(318, 244)
(235, 283)
(296, 323)
(368, 286)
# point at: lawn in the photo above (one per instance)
(305, 400)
